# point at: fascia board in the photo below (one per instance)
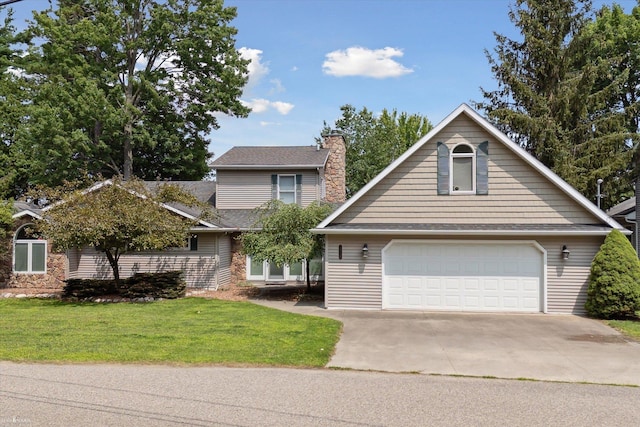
(465, 232)
(515, 148)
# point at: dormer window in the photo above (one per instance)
(463, 169)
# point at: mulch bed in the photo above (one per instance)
(228, 293)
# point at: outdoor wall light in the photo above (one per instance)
(565, 252)
(365, 251)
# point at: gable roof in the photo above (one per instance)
(623, 208)
(176, 208)
(21, 209)
(301, 157)
(500, 137)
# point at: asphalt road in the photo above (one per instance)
(135, 395)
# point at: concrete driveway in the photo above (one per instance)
(537, 346)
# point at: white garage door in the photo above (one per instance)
(462, 276)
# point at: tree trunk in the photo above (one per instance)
(127, 172)
(306, 261)
(637, 211)
(113, 262)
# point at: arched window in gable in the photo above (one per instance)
(29, 251)
(463, 168)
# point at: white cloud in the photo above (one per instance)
(282, 107)
(266, 124)
(294, 69)
(261, 105)
(257, 70)
(277, 86)
(360, 61)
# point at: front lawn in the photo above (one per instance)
(630, 328)
(191, 330)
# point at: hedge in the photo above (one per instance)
(169, 285)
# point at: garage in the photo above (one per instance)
(463, 275)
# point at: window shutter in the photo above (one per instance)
(299, 190)
(274, 187)
(482, 168)
(443, 169)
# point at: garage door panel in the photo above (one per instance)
(465, 276)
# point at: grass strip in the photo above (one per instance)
(190, 330)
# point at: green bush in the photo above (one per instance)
(87, 288)
(614, 282)
(167, 285)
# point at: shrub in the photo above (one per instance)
(167, 285)
(614, 282)
(87, 288)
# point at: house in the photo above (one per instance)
(465, 220)
(246, 177)
(625, 214)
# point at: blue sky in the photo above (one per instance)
(309, 57)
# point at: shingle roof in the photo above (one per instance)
(241, 219)
(265, 157)
(204, 191)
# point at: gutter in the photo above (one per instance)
(466, 232)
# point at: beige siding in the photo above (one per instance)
(224, 249)
(250, 189)
(355, 282)
(200, 267)
(567, 280)
(517, 193)
(73, 261)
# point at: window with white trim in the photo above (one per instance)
(463, 174)
(29, 252)
(287, 188)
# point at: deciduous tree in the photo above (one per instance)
(374, 141)
(283, 235)
(116, 217)
(131, 87)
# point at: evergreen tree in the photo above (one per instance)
(548, 100)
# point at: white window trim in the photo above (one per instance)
(30, 244)
(288, 191)
(472, 156)
(287, 276)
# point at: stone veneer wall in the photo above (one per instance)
(238, 268)
(53, 279)
(334, 173)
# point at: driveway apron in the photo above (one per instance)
(537, 346)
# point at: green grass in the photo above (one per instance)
(191, 330)
(630, 328)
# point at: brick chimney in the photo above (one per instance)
(334, 171)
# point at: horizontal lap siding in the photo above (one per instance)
(354, 282)
(567, 280)
(518, 194)
(250, 189)
(200, 267)
(224, 249)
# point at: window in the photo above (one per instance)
(287, 188)
(29, 252)
(462, 169)
(265, 271)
